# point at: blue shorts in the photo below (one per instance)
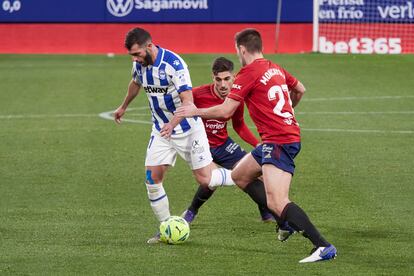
(228, 154)
(279, 155)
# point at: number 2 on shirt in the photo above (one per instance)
(277, 90)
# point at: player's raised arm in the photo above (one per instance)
(222, 111)
(133, 90)
(296, 93)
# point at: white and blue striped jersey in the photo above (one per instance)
(163, 82)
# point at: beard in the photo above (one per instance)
(147, 59)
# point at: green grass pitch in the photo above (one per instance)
(72, 193)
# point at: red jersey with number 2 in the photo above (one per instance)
(265, 86)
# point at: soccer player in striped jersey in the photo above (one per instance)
(165, 78)
(270, 94)
(225, 152)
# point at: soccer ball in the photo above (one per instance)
(174, 230)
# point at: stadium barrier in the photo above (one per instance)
(186, 26)
(85, 38)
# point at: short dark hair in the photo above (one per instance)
(137, 35)
(222, 64)
(251, 39)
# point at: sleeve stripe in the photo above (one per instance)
(235, 97)
(183, 88)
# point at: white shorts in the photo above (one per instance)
(193, 147)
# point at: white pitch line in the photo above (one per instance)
(108, 116)
(67, 65)
(357, 98)
(353, 112)
(40, 116)
(358, 130)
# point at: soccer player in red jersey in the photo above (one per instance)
(225, 152)
(270, 94)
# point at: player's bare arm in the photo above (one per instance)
(222, 111)
(186, 99)
(133, 90)
(296, 93)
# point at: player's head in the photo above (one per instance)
(222, 76)
(248, 41)
(139, 45)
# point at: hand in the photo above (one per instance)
(188, 110)
(118, 113)
(166, 130)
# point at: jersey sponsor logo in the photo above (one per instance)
(215, 125)
(152, 89)
(236, 86)
(119, 8)
(270, 73)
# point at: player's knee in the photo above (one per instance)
(240, 181)
(277, 204)
(152, 178)
(203, 180)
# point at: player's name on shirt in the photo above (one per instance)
(270, 73)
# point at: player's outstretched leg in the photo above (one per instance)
(209, 177)
(201, 196)
(298, 219)
(220, 177)
(277, 183)
(257, 193)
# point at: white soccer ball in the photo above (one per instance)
(174, 230)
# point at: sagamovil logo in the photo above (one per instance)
(120, 8)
